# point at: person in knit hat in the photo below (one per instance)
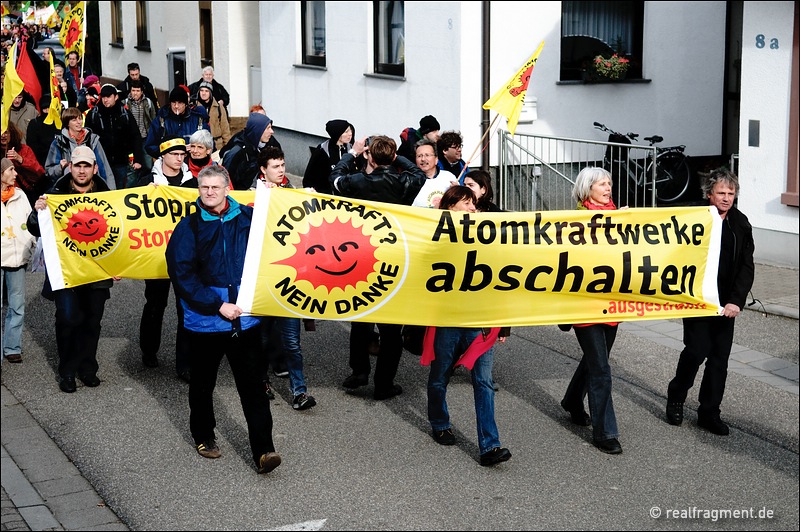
(168, 170)
(327, 154)
(17, 245)
(428, 129)
(240, 155)
(218, 116)
(177, 119)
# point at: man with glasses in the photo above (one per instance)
(169, 169)
(450, 145)
(205, 260)
(438, 180)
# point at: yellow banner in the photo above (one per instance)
(332, 258)
(317, 256)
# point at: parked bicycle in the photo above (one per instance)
(671, 166)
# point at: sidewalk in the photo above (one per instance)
(43, 490)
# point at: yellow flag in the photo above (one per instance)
(54, 112)
(12, 86)
(71, 35)
(508, 100)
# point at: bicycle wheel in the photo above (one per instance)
(672, 176)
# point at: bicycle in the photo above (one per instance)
(672, 172)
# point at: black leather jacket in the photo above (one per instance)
(398, 183)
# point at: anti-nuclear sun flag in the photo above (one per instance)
(317, 256)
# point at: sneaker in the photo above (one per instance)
(444, 437)
(14, 358)
(150, 361)
(267, 462)
(209, 449)
(281, 372)
(269, 392)
(495, 456)
(303, 402)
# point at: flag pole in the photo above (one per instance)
(480, 143)
(85, 25)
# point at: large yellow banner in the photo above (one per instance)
(317, 256)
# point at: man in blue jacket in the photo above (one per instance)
(175, 120)
(205, 261)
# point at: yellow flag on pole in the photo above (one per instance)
(72, 30)
(54, 111)
(12, 86)
(508, 100)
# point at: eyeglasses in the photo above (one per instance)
(456, 147)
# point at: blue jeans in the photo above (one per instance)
(593, 378)
(449, 344)
(289, 329)
(14, 280)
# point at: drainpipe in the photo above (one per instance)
(485, 62)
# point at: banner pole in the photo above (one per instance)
(480, 143)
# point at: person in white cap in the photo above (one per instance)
(79, 310)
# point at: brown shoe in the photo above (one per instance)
(268, 462)
(15, 358)
(209, 449)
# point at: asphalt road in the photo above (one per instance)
(353, 463)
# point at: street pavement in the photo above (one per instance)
(120, 456)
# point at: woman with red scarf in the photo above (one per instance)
(592, 191)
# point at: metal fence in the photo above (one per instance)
(537, 173)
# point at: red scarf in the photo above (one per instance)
(195, 168)
(478, 347)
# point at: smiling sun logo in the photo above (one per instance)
(334, 255)
(88, 226)
(340, 263)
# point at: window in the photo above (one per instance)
(313, 16)
(142, 30)
(206, 35)
(589, 29)
(389, 27)
(116, 23)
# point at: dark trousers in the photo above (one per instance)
(79, 312)
(388, 356)
(709, 339)
(242, 351)
(156, 295)
(592, 378)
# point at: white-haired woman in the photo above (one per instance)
(592, 191)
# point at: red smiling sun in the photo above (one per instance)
(333, 255)
(86, 226)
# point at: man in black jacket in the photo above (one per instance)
(240, 155)
(394, 179)
(710, 338)
(79, 310)
(124, 88)
(118, 132)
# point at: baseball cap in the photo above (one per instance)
(108, 89)
(83, 154)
